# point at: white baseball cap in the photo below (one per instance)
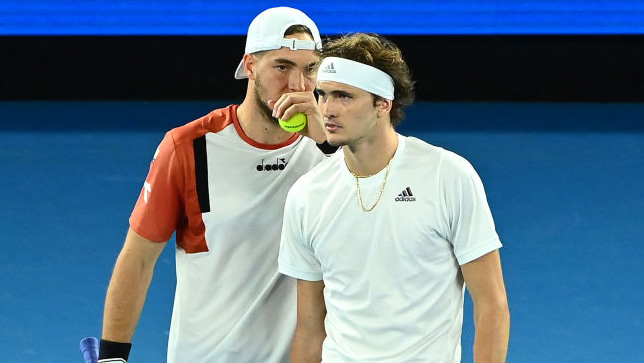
(266, 32)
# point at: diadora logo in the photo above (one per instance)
(280, 164)
(329, 68)
(406, 196)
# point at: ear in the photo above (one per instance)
(383, 106)
(250, 65)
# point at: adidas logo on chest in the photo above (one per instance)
(406, 196)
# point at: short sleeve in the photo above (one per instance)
(159, 207)
(296, 257)
(471, 226)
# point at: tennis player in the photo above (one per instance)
(220, 182)
(384, 235)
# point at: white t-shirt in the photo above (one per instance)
(393, 286)
(224, 195)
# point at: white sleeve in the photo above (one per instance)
(297, 258)
(471, 226)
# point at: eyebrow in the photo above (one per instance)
(335, 92)
(284, 61)
(290, 62)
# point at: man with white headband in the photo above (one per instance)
(220, 183)
(383, 234)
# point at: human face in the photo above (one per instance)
(282, 71)
(350, 117)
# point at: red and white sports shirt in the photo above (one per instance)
(224, 195)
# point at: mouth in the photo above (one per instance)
(331, 127)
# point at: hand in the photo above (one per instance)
(291, 103)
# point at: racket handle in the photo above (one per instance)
(89, 347)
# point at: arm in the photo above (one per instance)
(484, 280)
(129, 287)
(309, 332)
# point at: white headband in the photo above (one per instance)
(358, 75)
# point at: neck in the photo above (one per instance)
(372, 156)
(258, 126)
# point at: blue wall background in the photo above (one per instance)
(47, 116)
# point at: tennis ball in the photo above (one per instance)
(295, 123)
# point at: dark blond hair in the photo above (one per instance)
(381, 53)
(294, 29)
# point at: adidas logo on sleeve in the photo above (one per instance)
(406, 196)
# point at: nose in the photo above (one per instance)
(327, 108)
(297, 81)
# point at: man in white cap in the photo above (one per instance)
(220, 183)
(383, 234)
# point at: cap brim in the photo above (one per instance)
(240, 73)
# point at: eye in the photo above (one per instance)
(320, 95)
(281, 68)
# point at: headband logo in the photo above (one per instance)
(329, 69)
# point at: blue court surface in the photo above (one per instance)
(565, 183)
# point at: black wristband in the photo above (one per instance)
(109, 349)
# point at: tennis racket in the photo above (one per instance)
(89, 347)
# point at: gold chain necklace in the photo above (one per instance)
(382, 188)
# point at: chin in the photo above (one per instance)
(334, 141)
